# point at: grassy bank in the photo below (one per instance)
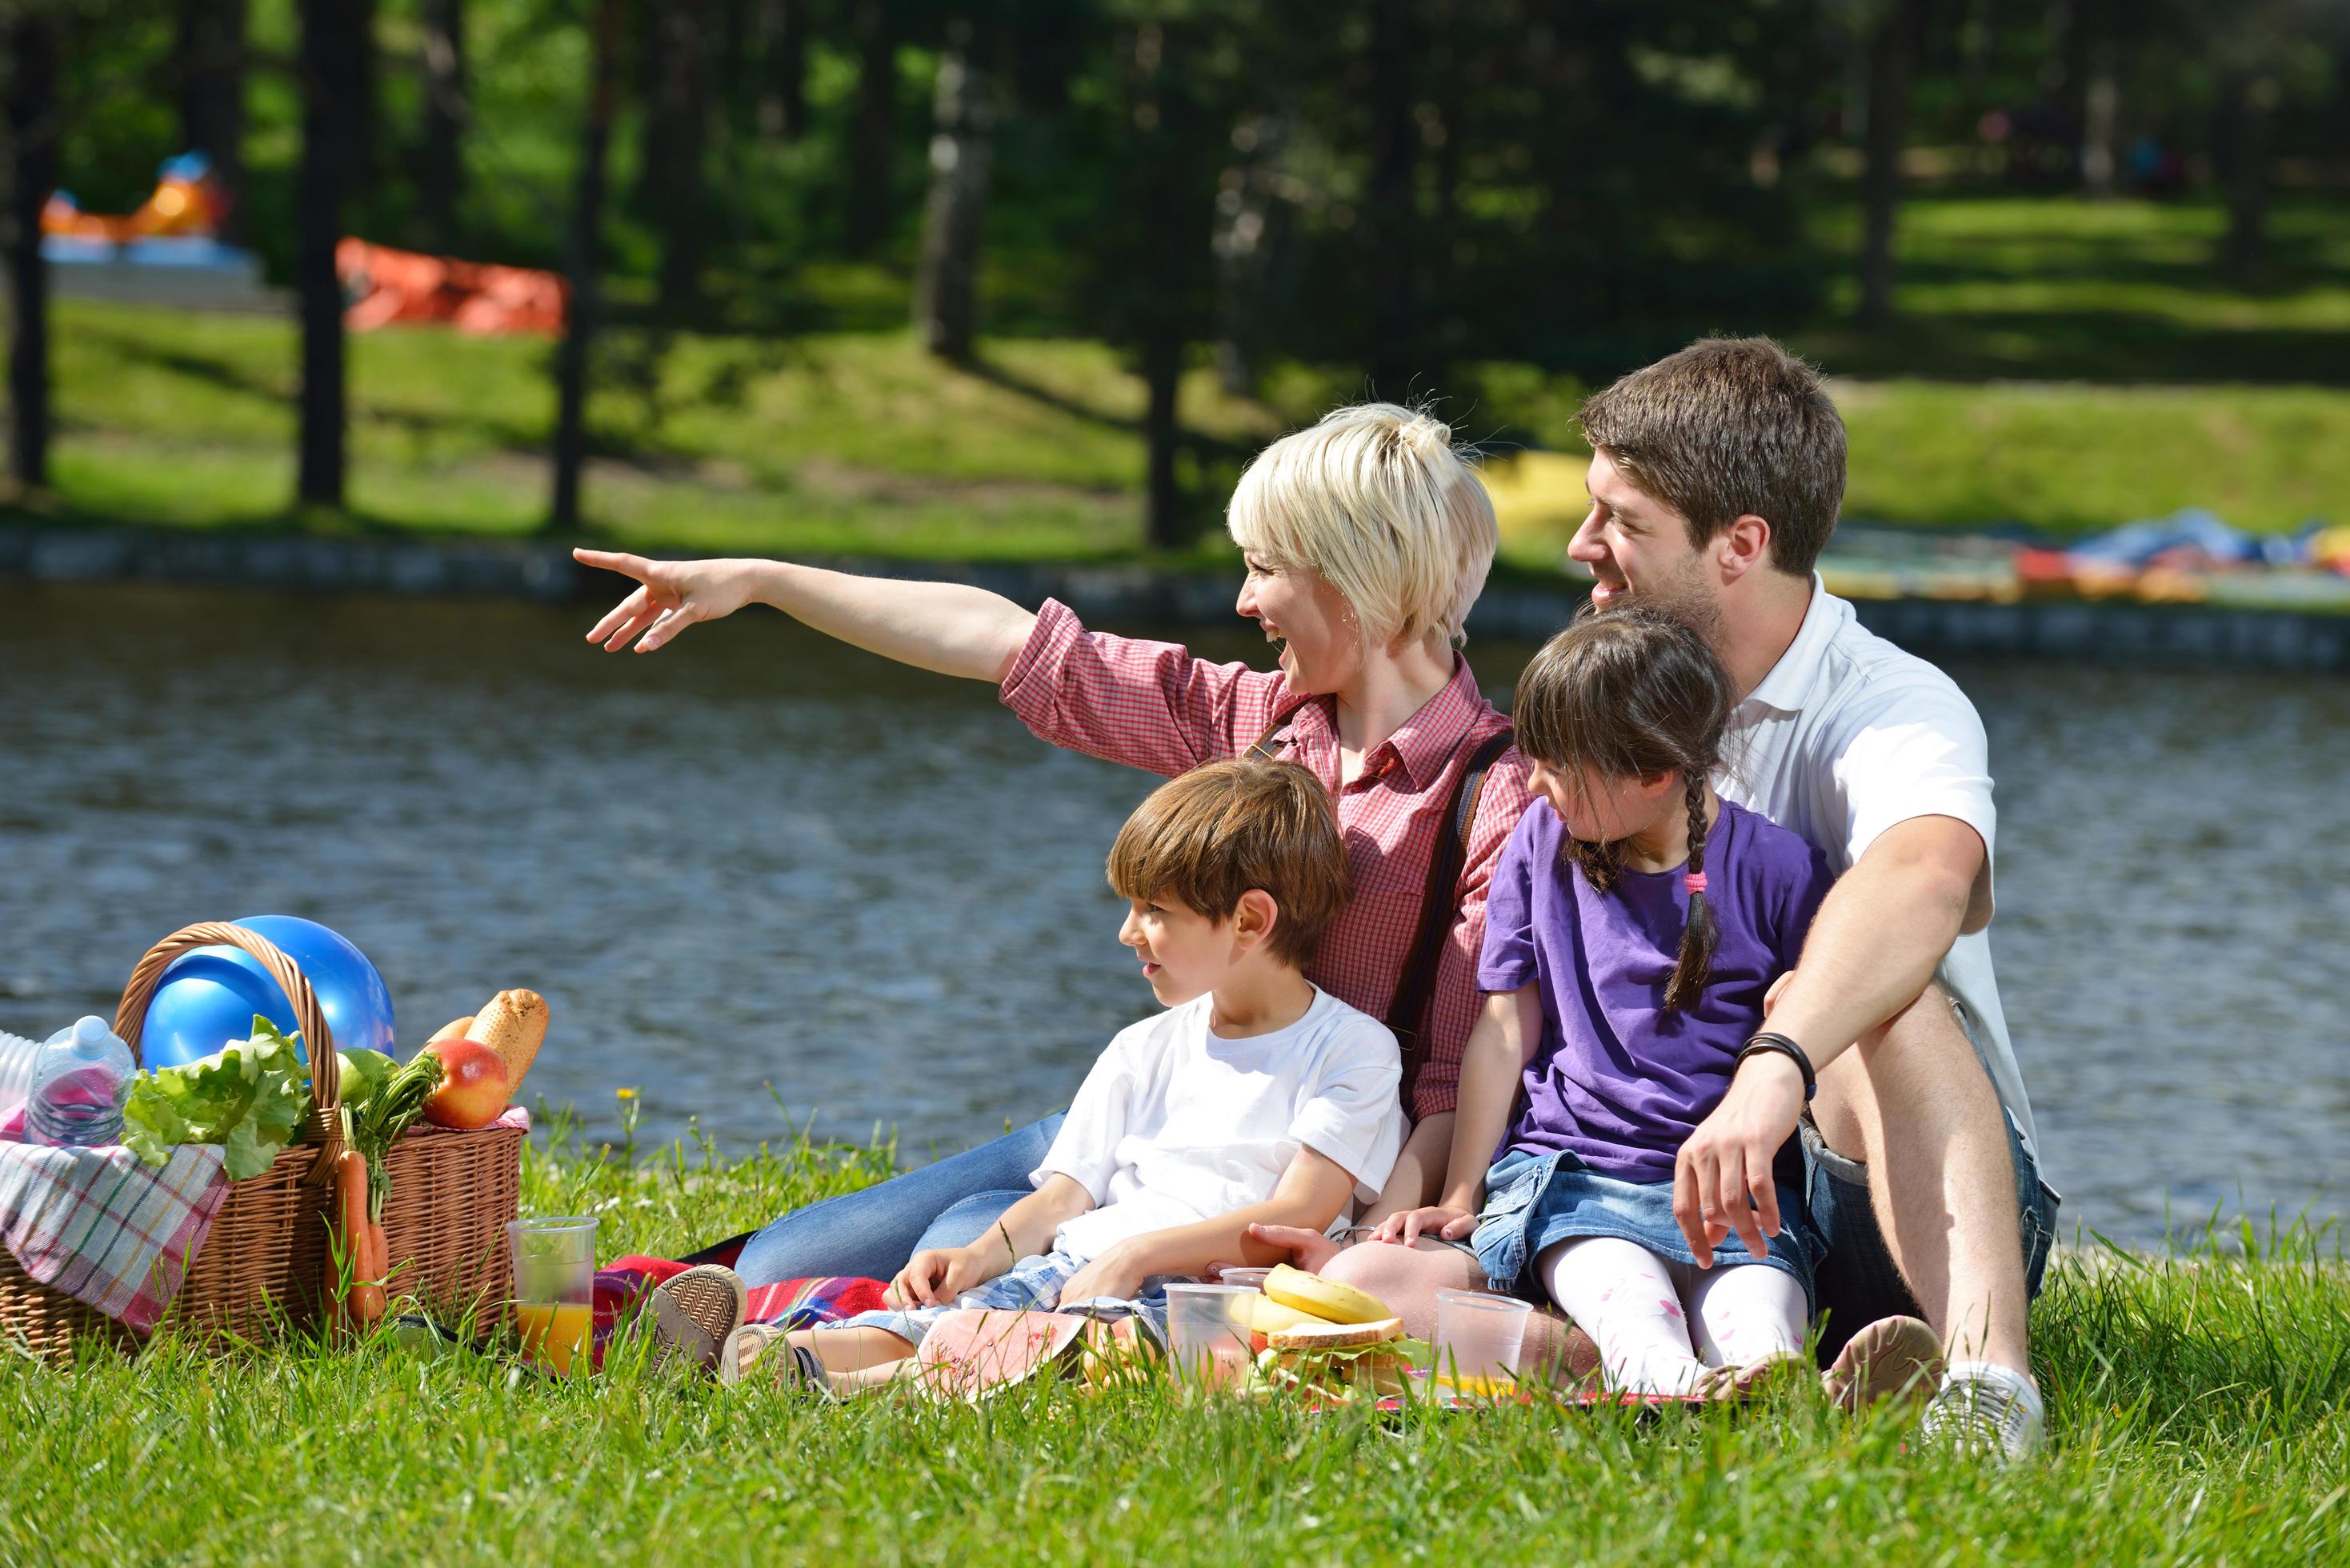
(2197, 1408)
(2059, 364)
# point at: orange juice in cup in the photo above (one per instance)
(553, 1289)
(555, 1331)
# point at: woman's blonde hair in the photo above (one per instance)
(1375, 498)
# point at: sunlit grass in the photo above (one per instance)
(2197, 1406)
(2062, 365)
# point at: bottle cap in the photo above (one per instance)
(91, 1037)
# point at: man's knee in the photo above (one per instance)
(1918, 1065)
(1406, 1278)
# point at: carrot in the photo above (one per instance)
(369, 1300)
(354, 1303)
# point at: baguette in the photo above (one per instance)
(455, 1029)
(514, 1026)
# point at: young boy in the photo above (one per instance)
(1255, 1098)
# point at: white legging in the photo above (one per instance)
(1658, 1326)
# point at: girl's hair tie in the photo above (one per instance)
(1694, 881)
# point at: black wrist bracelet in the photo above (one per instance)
(1784, 1047)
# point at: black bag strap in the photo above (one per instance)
(1407, 1009)
(1415, 987)
(1263, 750)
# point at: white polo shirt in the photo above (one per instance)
(1848, 735)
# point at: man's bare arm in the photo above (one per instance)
(1876, 943)
(1880, 934)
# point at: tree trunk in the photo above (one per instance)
(1163, 523)
(782, 27)
(334, 64)
(581, 262)
(2246, 97)
(1394, 237)
(1249, 227)
(32, 117)
(1892, 58)
(2101, 104)
(676, 141)
(212, 46)
(442, 180)
(946, 285)
(873, 132)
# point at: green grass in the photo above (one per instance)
(2052, 288)
(2059, 364)
(2197, 1409)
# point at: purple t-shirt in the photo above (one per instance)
(1618, 1080)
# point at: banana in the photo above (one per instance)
(1268, 1316)
(1325, 1299)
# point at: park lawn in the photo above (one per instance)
(2059, 365)
(2198, 1407)
(2047, 288)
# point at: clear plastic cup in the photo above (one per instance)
(555, 1289)
(1478, 1338)
(1253, 1278)
(1208, 1332)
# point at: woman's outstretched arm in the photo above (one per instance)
(949, 627)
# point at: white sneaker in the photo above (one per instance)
(1983, 1407)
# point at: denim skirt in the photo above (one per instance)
(1534, 1199)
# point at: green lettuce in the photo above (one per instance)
(248, 1098)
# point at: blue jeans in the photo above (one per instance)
(870, 1233)
(1033, 1285)
(1857, 1281)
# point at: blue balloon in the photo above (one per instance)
(208, 997)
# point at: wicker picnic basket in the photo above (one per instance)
(258, 1270)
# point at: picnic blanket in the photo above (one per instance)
(108, 1230)
(623, 1284)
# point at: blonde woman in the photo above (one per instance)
(1366, 538)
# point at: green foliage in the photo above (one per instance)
(246, 1097)
(2197, 1406)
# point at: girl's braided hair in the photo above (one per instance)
(1632, 691)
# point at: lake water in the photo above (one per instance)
(771, 882)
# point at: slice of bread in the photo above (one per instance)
(1334, 1335)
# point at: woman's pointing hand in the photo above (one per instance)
(670, 597)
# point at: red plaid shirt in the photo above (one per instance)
(1152, 705)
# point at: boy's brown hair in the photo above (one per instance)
(1726, 427)
(1224, 828)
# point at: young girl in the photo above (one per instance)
(1636, 924)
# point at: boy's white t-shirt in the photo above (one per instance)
(1176, 1124)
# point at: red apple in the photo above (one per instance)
(473, 1090)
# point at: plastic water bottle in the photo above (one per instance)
(79, 1081)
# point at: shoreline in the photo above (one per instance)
(2151, 636)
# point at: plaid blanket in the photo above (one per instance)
(107, 1231)
(622, 1285)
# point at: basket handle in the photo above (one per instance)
(325, 1128)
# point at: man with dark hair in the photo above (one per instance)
(1715, 480)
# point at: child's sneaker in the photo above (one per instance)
(694, 1313)
(760, 1353)
(1894, 1358)
(1983, 1407)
